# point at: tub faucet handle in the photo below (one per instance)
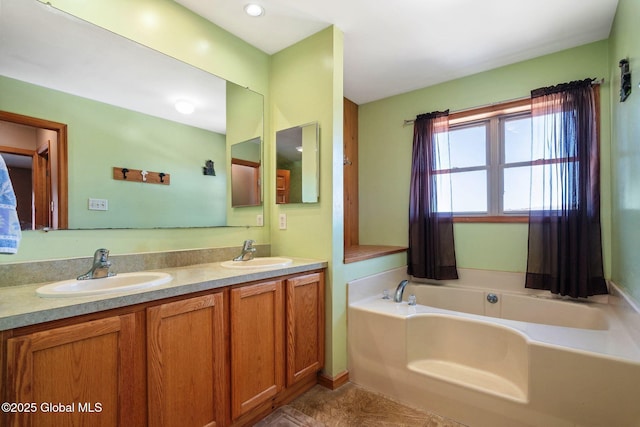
(412, 299)
(385, 294)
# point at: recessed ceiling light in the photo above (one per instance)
(254, 10)
(185, 107)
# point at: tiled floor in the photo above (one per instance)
(348, 406)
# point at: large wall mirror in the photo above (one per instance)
(116, 103)
(297, 164)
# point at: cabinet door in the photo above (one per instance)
(305, 326)
(80, 375)
(257, 345)
(185, 369)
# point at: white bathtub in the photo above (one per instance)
(533, 308)
(523, 361)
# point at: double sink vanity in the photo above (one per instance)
(214, 344)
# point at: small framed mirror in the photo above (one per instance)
(246, 173)
(297, 164)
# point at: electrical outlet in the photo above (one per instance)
(98, 205)
(259, 220)
(282, 221)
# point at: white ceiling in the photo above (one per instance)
(392, 47)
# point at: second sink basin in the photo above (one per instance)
(261, 262)
(118, 283)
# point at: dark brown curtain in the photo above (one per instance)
(431, 251)
(565, 249)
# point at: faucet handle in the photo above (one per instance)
(101, 255)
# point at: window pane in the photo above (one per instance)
(516, 189)
(468, 146)
(546, 192)
(469, 190)
(517, 140)
(550, 133)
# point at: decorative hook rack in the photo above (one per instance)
(141, 175)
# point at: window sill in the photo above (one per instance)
(362, 252)
(491, 219)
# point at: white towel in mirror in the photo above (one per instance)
(10, 233)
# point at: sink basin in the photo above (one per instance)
(260, 262)
(118, 283)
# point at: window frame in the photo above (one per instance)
(493, 114)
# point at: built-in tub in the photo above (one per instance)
(533, 308)
(522, 361)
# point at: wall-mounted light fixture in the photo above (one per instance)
(625, 79)
(208, 168)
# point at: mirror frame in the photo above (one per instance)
(62, 200)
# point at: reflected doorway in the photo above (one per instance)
(245, 183)
(35, 151)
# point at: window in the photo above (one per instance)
(489, 162)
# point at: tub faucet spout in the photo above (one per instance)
(400, 290)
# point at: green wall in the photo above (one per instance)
(385, 153)
(625, 43)
(306, 86)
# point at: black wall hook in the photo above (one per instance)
(124, 173)
(161, 175)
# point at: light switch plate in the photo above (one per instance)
(282, 221)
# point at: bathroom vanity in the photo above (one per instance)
(214, 347)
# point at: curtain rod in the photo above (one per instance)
(411, 121)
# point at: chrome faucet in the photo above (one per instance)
(399, 290)
(248, 251)
(100, 266)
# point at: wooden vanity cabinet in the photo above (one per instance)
(257, 345)
(81, 374)
(305, 326)
(277, 339)
(186, 362)
(223, 357)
